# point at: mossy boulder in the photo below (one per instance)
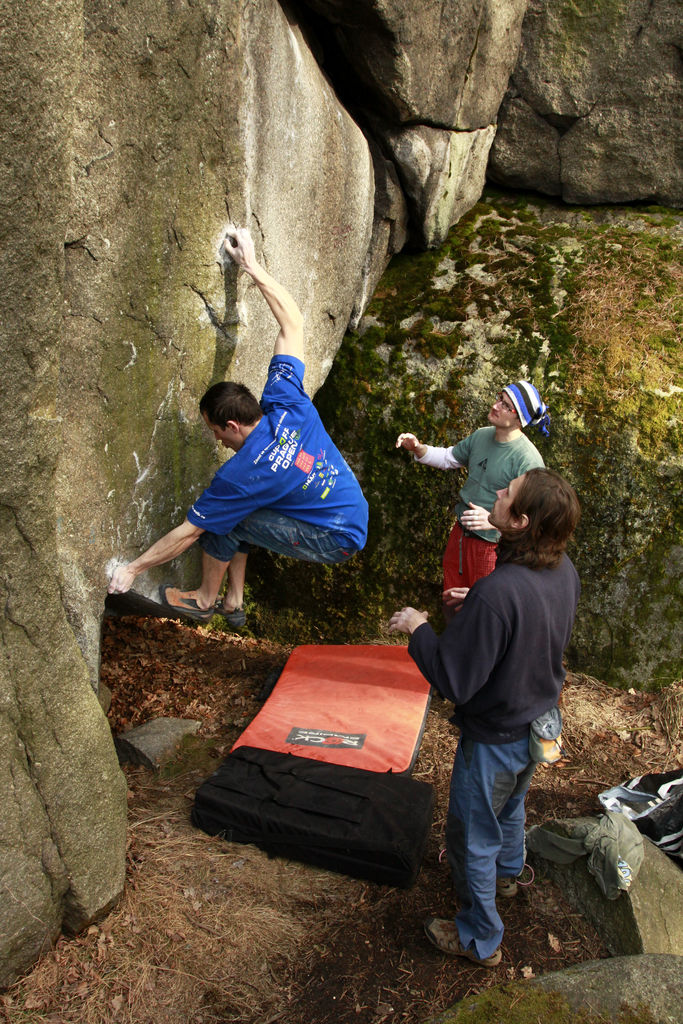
(584, 302)
(625, 990)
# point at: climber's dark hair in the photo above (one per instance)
(228, 401)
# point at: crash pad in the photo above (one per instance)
(365, 824)
(363, 706)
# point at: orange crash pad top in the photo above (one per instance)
(363, 706)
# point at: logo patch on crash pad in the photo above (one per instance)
(326, 738)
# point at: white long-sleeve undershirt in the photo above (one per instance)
(439, 458)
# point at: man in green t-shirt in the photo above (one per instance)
(493, 456)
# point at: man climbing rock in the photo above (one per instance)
(500, 661)
(287, 487)
(493, 455)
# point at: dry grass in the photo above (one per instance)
(671, 712)
(615, 735)
(620, 317)
(206, 931)
(590, 707)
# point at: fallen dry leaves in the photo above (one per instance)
(209, 931)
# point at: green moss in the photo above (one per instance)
(591, 312)
(521, 1003)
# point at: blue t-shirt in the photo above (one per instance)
(287, 463)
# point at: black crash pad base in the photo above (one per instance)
(371, 825)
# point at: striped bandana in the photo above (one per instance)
(529, 405)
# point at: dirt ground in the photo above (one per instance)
(209, 931)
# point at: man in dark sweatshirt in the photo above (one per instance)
(500, 662)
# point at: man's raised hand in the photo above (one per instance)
(408, 441)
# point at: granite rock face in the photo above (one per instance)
(426, 81)
(132, 137)
(595, 103)
(62, 794)
(442, 62)
(654, 981)
(443, 174)
(618, 988)
(184, 122)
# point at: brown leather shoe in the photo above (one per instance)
(506, 887)
(444, 935)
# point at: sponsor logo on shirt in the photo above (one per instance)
(322, 477)
(285, 453)
(304, 461)
(283, 371)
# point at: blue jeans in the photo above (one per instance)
(485, 833)
(266, 528)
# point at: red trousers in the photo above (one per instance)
(466, 559)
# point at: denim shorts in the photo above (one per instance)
(268, 529)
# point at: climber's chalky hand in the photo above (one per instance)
(239, 246)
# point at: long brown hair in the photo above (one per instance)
(553, 511)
